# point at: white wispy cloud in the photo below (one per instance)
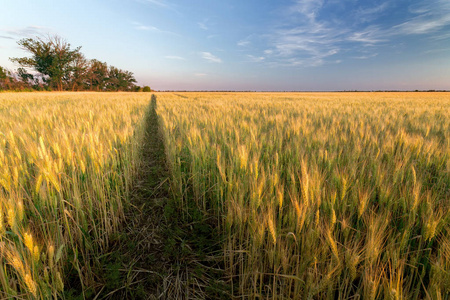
(308, 37)
(428, 20)
(210, 57)
(440, 37)
(202, 25)
(147, 28)
(305, 39)
(308, 41)
(366, 56)
(200, 74)
(250, 42)
(160, 3)
(307, 8)
(437, 50)
(150, 28)
(28, 31)
(254, 58)
(429, 17)
(370, 35)
(423, 24)
(368, 14)
(243, 43)
(174, 57)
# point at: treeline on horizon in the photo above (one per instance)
(54, 65)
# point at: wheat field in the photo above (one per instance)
(66, 164)
(316, 195)
(321, 195)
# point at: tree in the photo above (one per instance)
(3, 73)
(25, 76)
(3, 78)
(78, 75)
(59, 66)
(98, 75)
(146, 89)
(19, 80)
(52, 58)
(119, 80)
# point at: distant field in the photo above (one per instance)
(316, 195)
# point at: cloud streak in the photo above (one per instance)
(254, 58)
(141, 27)
(147, 28)
(310, 36)
(423, 24)
(27, 32)
(160, 3)
(243, 43)
(202, 25)
(210, 57)
(174, 57)
(307, 40)
(369, 14)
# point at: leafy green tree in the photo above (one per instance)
(146, 89)
(19, 80)
(60, 67)
(120, 80)
(51, 57)
(24, 75)
(3, 78)
(3, 73)
(98, 75)
(78, 75)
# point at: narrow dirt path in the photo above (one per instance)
(161, 253)
(135, 268)
(146, 221)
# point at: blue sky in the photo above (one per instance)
(249, 44)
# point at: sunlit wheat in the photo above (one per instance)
(66, 164)
(328, 195)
